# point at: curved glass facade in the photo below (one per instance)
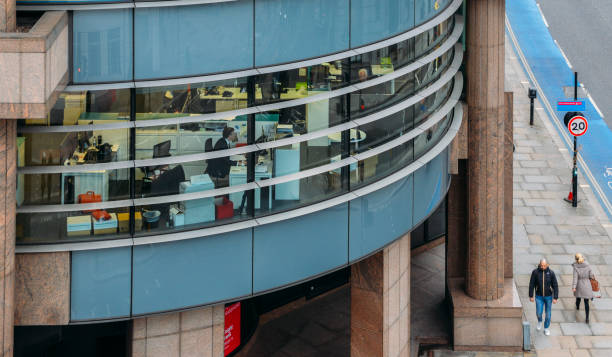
(330, 120)
(148, 43)
(117, 163)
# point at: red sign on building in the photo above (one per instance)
(232, 328)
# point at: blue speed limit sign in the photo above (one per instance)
(578, 125)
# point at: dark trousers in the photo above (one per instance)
(586, 306)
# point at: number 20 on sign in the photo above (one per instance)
(578, 126)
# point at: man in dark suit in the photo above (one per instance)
(219, 168)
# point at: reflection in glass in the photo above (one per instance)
(64, 227)
(379, 166)
(428, 139)
(428, 105)
(297, 193)
(102, 45)
(74, 187)
(74, 148)
(87, 107)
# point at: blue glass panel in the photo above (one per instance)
(290, 30)
(102, 45)
(192, 272)
(191, 40)
(373, 20)
(427, 9)
(100, 283)
(430, 184)
(289, 251)
(380, 218)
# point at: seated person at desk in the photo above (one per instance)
(219, 168)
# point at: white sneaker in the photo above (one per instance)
(539, 326)
(547, 332)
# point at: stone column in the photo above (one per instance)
(180, 334)
(485, 98)
(8, 17)
(380, 303)
(8, 167)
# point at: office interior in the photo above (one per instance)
(192, 136)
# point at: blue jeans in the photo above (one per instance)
(541, 302)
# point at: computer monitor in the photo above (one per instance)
(162, 149)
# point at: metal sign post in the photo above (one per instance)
(577, 125)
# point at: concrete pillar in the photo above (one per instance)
(8, 17)
(380, 303)
(180, 334)
(485, 98)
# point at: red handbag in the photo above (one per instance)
(225, 209)
(89, 197)
(100, 214)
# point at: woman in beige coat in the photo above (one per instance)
(581, 283)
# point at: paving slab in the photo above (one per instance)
(556, 231)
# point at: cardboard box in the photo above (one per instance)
(106, 227)
(78, 226)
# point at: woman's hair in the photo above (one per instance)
(579, 258)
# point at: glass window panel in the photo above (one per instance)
(433, 70)
(293, 194)
(380, 62)
(102, 45)
(194, 98)
(374, 20)
(198, 137)
(290, 30)
(190, 40)
(386, 129)
(427, 9)
(67, 227)
(86, 107)
(428, 139)
(379, 166)
(75, 148)
(432, 38)
(372, 99)
(428, 105)
(76, 187)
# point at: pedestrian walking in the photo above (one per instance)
(543, 283)
(581, 283)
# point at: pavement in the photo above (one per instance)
(545, 226)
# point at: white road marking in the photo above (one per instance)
(595, 105)
(563, 54)
(542, 14)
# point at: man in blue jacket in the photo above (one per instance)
(544, 283)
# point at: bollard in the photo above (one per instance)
(526, 336)
(532, 96)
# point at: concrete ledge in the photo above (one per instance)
(477, 323)
(34, 67)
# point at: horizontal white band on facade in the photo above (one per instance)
(450, 43)
(427, 91)
(199, 233)
(122, 5)
(443, 16)
(256, 147)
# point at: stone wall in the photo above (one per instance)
(34, 67)
(182, 334)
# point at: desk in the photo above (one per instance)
(80, 156)
(237, 176)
